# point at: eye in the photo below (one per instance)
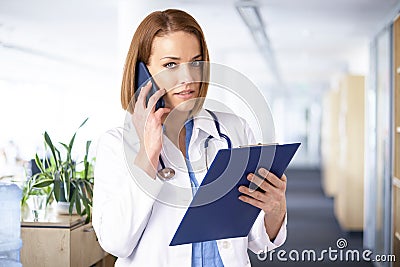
(196, 63)
(170, 65)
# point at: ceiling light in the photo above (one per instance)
(249, 12)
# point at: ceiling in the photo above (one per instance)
(61, 61)
(313, 40)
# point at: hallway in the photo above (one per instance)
(311, 225)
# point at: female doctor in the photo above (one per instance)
(135, 213)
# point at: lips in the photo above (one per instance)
(185, 94)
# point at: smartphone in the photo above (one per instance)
(142, 78)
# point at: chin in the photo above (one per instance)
(186, 106)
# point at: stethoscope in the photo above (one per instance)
(167, 173)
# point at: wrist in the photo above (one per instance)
(147, 162)
(273, 224)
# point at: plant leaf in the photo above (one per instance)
(87, 210)
(38, 163)
(89, 190)
(52, 148)
(64, 145)
(78, 201)
(88, 143)
(58, 153)
(49, 194)
(47, 175)
(43, 183)
(57, 187)
(71, 142)
(67, 183)
(85, 204)
(88, 218)
(48, 162)
(72, 202)
(83, 123)
(85, 161)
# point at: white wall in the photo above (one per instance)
(58, 66)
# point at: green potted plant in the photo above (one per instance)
(64, 180)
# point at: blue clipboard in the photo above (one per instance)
(215, 211)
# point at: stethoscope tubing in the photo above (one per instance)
(162, 174)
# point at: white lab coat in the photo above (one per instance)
(135, 216)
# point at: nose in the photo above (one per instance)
(185, 74)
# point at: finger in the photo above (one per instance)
(257, 182)
(252, 201)
(160, 112)
(144, 91)
(252, 193)
(155, 97)
(272, 178)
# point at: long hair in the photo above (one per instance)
(160, 23)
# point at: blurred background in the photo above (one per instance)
(328, 69)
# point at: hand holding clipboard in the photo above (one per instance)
(215, 211)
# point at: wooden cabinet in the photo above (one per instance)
(62, 241)
(349, 196)
(396, 223)
(330, 140)
(396, 152)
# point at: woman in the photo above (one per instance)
(135, 214)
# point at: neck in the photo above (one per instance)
(174, 126)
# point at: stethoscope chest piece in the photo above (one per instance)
(166, 174)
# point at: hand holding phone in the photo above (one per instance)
(142, 78)
(148, 121)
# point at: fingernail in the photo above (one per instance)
(249, 176)
(252, 188)
(262, 171)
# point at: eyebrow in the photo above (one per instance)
(178, 58)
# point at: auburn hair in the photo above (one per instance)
(160, 23)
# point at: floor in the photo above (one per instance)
(312, 227)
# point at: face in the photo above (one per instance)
(175, 66)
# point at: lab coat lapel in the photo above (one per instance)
(204, 121)
(177, 191)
